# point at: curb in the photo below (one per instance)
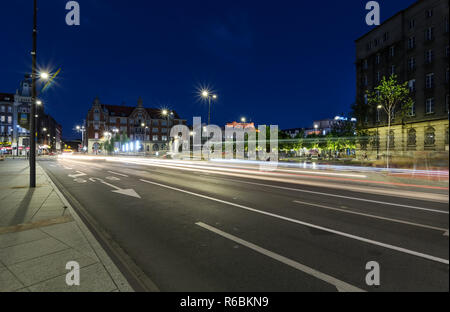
(117, 277)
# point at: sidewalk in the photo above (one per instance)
(39, 234)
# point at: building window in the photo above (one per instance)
(429, 34)
(386, 36)
(9, 119)
(411, 42)
(3, 108)
(155, 130)
(155, 138)
(392, 69)
(411, 63)
(412, 24)
(392, 51)
(365, 64)
(412, 85)
(366, 100)
(429, 137)
(446, 136)
(446, 103)
(429, 81)
(377, 59)
(429, 56)
(429, 106)
(413, 109)
(375, 42)
(96, 135)
(411, 137)
(9, 109)
(378, 76)
(429, 13)
(164, 138)
(446, 25)
(365, 81)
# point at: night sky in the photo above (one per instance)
(275, 62)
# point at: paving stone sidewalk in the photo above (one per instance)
(39, 235)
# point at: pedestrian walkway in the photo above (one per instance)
(40, 234)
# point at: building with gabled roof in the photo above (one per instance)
(148, 129)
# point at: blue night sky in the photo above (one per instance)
(275, 62)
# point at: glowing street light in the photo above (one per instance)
(207, 95)
(44, 75)
(39, 102)
(243, 119)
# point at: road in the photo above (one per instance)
(190, 227)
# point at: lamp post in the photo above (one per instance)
(167, 114)
(378, 134)
(207, 95)
(33, 115)
(81, 129)
(33, 105)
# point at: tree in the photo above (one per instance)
(392, 97)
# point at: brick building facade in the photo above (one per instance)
(150, 127)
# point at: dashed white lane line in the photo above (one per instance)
(342, 196)
(340, 285)
(373, 216)
(119, 174)
(347, 235)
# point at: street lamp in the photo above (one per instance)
(34, 75)
(378, 134)
(167, 114)
(81, 129)
(207, 95)
(243, 119)
(44, 75)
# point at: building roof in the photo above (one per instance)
(125, 111)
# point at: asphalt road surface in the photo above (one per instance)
(193, 229)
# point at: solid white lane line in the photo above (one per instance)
(362, 239)
(119, 174)
(342, 196)
(373, 216)
(340, 285)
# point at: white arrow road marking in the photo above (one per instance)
(79, 174)
(79, 180)
(340, 285)
(67, 168)
(127, 192)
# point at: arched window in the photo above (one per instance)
(412, 137)
(446, 136)
(429, 137)
(155, 147)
